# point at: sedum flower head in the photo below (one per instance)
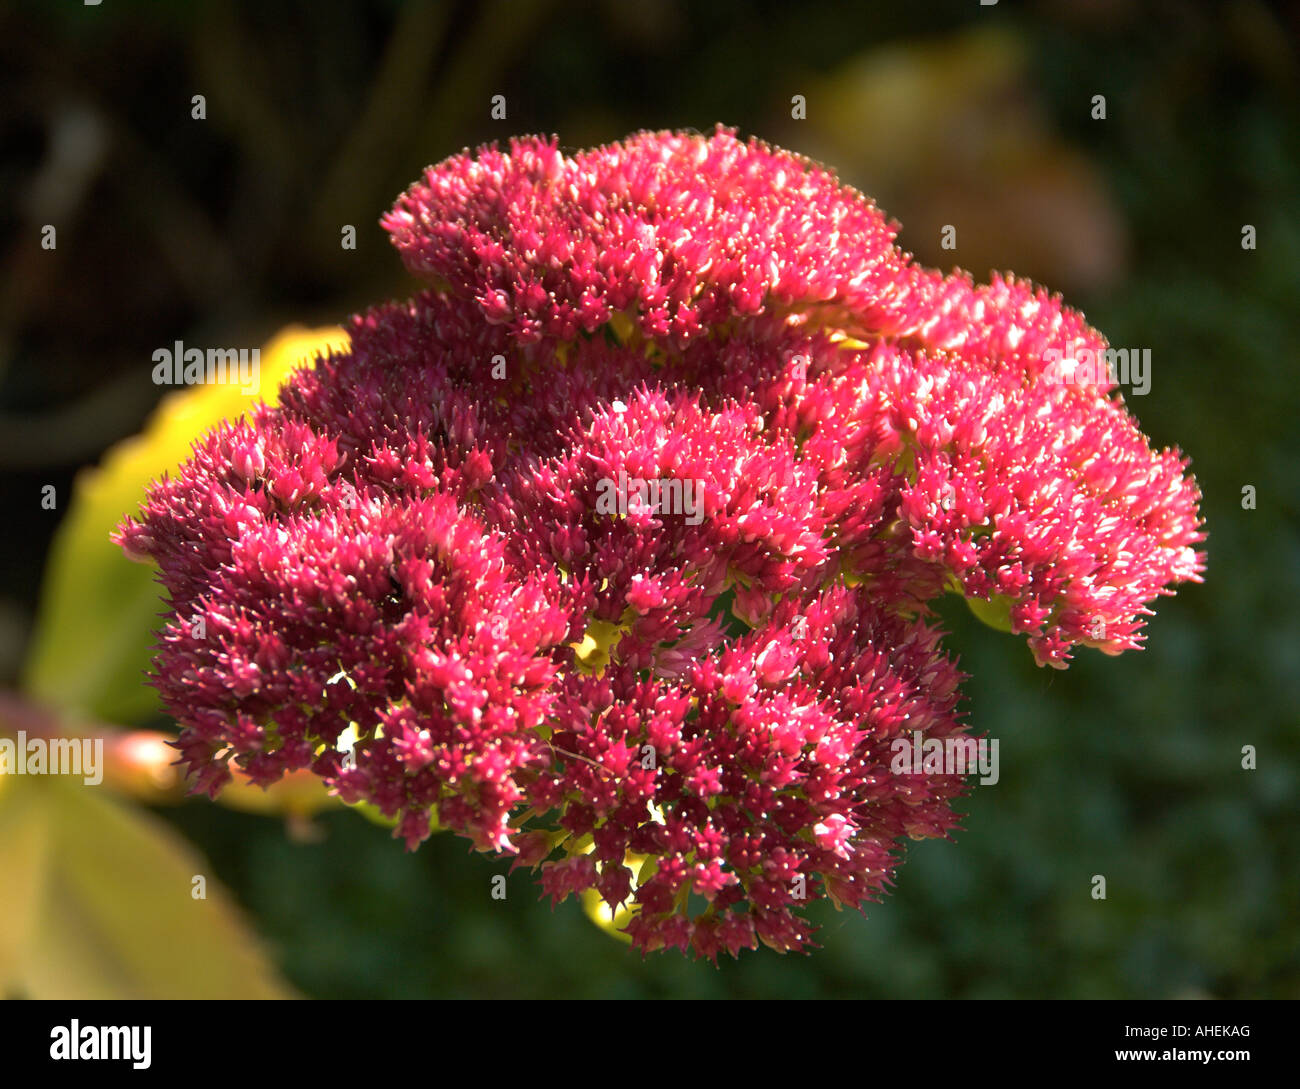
(614, 550)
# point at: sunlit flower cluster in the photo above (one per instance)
(403, 578)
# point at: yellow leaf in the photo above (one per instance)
(24, 852)
(104, 906)
(611, 920)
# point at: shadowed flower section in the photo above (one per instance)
(761, 782)
(615, 549)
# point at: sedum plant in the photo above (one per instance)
(615, 549)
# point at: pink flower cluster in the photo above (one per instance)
(407, 584)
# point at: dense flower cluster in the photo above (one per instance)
(402, 576)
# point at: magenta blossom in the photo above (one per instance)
(410, 581)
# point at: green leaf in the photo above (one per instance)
(996, 613)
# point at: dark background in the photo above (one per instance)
(223, 230)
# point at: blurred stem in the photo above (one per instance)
(180, 226)
(224, 60)
(467, 84)
(137, 763)
(76, 432)
(78, 142)
(366, 158)
(141, 765)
